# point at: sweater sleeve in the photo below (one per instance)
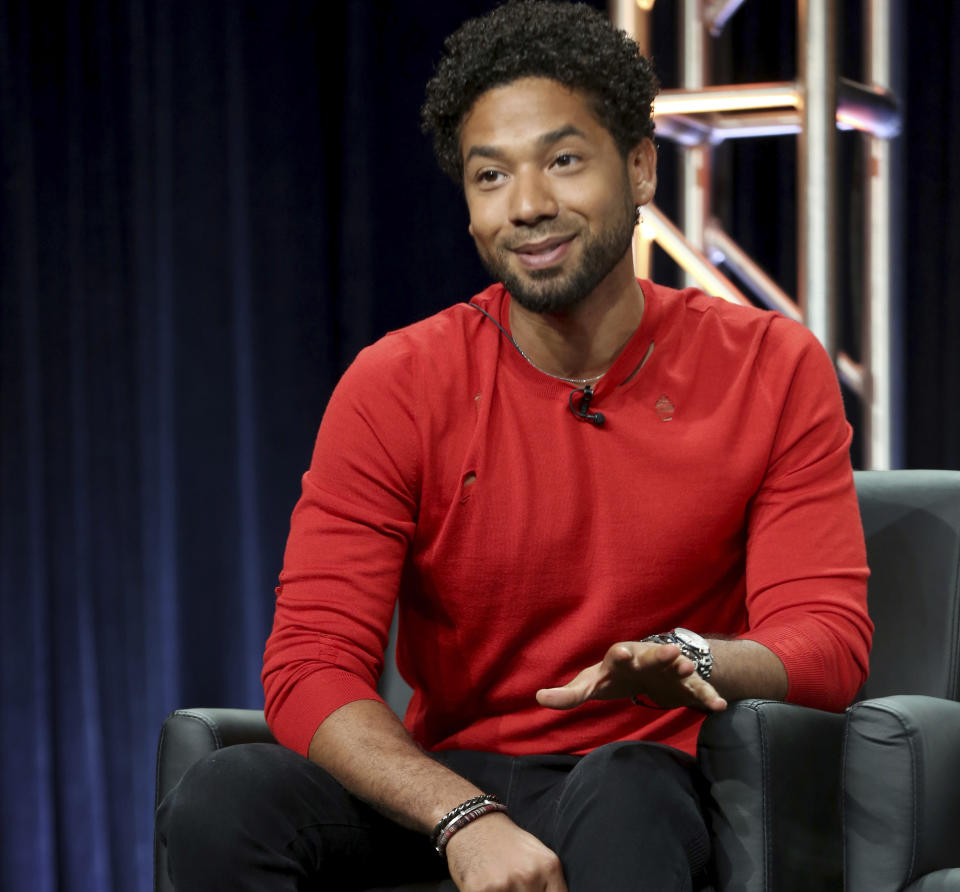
(349, 534)
(806, 559)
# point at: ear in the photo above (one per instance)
(470, 230)
(642, 170)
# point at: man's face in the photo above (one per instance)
(551, 198)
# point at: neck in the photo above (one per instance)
(585, 341)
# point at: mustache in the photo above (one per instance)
(536, 234)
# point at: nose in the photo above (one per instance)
(531, 198)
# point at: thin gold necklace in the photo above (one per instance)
(550, 374)
(509, 337)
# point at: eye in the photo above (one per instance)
(488, 177)
(565, 159)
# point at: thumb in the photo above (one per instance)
(571, 694)
(560, 698)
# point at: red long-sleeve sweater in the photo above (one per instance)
(717, 495)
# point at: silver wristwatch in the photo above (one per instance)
(693, 646)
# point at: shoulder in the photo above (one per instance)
(723, 332)
(700, 311)
(727, 352)
(748, 321)
(773, 358)
(438, 345)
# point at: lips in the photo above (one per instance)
(543, 253)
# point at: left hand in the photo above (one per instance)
(630, 668)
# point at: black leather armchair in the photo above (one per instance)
(901, 784)
(773, 770)
(901, 795)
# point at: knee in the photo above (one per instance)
(627, 810)
(628, 777)
(219, 803)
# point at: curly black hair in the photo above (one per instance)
(569, 43)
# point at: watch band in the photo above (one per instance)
(693, 646)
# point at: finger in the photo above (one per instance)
(706, 694)
(640, 654)
(572, 694)
(712, 700)
(664, 654)
(554, 879)
(684, 667)
(560, 698)
(623, 652)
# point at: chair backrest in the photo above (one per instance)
(392, 687)
(911, 520)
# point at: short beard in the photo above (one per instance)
(551, 291)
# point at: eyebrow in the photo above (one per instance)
(544, 140)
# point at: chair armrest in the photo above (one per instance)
(772, 772)
(187, 736)
(901, 793)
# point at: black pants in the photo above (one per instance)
(259, 817)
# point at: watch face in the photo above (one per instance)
(692, 639)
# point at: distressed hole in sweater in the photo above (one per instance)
(468, 480)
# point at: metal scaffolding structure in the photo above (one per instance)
(699, 115)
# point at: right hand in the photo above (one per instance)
(494, 855)
(660, 671)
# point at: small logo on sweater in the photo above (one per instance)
(665, 407)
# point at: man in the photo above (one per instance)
(550, 476)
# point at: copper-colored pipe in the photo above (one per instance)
(689, 258)
(870, 109)
(738, 97)
(816, 168)
(756, 278)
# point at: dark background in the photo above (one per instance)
(207, 209)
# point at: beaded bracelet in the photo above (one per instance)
(463, 814)
(460, 810)
(468, 817)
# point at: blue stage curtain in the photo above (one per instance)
(207, 210)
